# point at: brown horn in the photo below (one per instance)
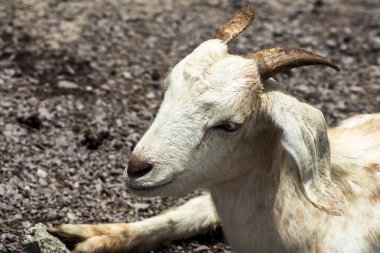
(275, 60)
(236, 25)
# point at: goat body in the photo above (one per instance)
(265, 209)
(278, 179)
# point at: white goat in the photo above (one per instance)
(263, 155)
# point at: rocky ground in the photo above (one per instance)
(80, 83)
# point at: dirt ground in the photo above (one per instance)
(80, 83)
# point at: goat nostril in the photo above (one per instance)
(138, 167)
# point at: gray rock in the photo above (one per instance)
(38, 240)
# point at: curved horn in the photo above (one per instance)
(275, 60)
(236, 25)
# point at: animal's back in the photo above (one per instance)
(355, 155)
(355, 143)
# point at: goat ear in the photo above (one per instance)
(304, 138)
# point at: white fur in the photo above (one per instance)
(178, 142)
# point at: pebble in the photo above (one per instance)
(41, 173)
(67, 85)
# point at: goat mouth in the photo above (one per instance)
(143, 188)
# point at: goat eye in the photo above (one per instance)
(227, 126)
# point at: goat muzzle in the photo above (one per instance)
(138, 167)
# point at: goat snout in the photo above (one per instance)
(138, 167)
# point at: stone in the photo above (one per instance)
(38, 240)
(67, 85)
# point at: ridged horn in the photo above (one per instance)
(274, 60)
(236, 25)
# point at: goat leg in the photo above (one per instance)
(193, 218)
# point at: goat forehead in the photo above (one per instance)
(210, 74)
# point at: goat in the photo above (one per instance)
(278, 179)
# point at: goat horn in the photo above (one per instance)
(275, 60)
(236, 25)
